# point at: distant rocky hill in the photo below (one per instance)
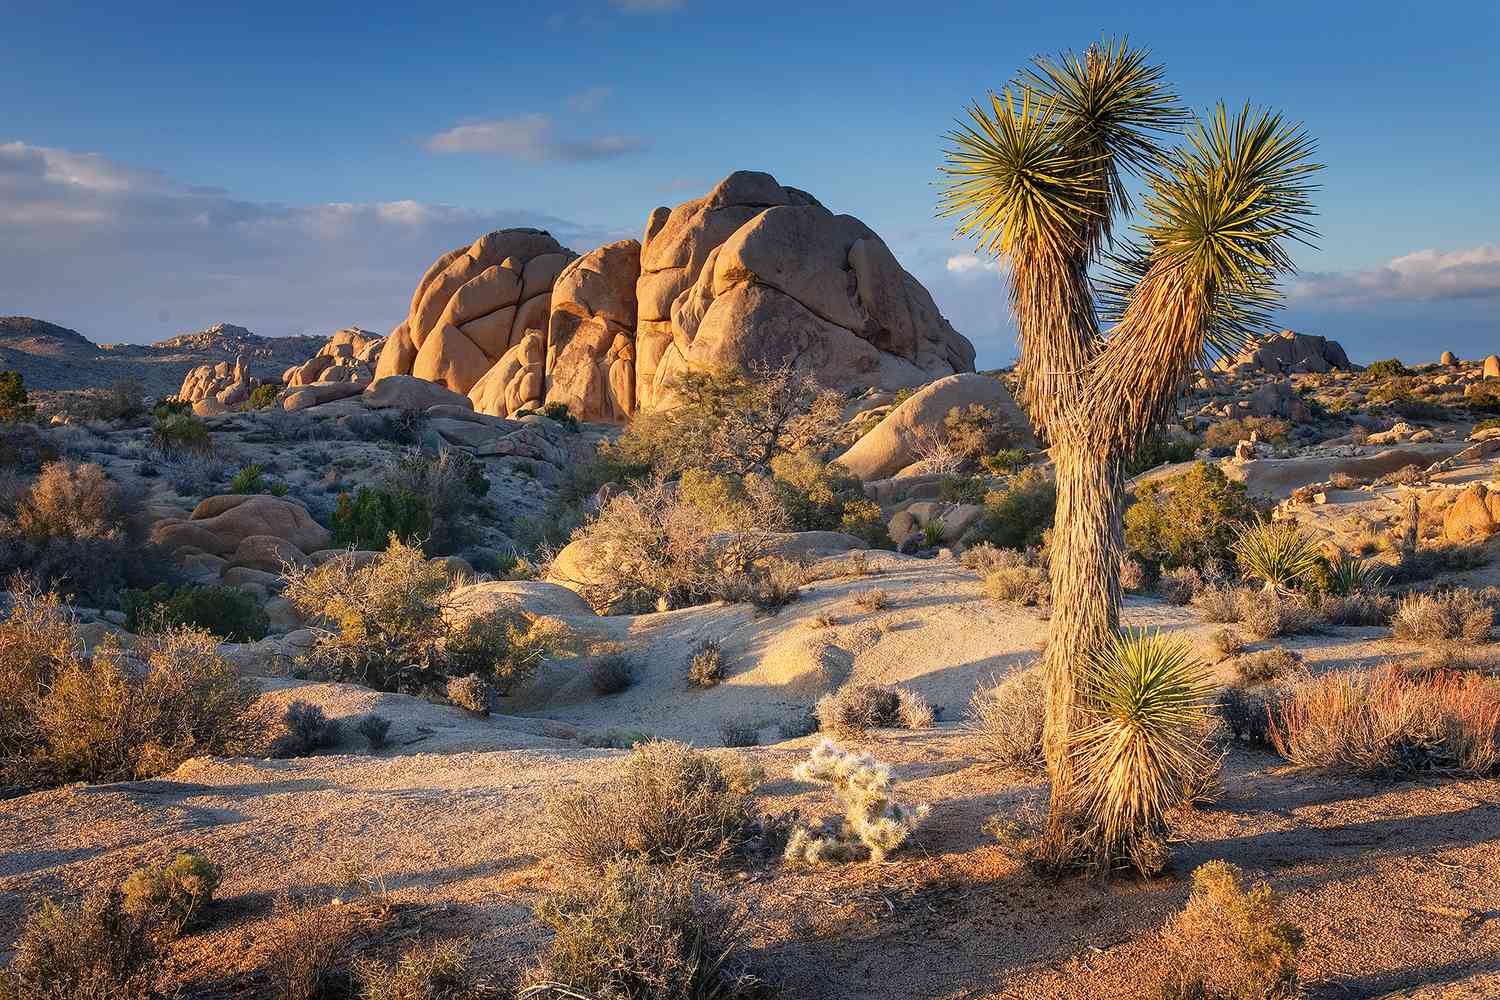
(54, 358)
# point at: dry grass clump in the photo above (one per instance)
(307, 729)
(669, 803)
(872, 599)
(1453, 616)
(94, 950)
(1018, 578)
(1231, 943)
(437, 970)
(310, 957)
(873, 824)
(1389, 723)
(172, 897)
(72, 500)
(1267, 614)
(611, 674)
(1267, 665)
(1133, 576)
(1226, 642)
(1357, 608)
(471, 692)
(854, 709)
(707, 667)
(1180, 585)
(1006, 719)
(642, 932)
(1220, 602)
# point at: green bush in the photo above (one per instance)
(369, 518)
(226, 612)
(1190, 519)
(15, 402)
(1388, 368)
(1019, 513)
(1484, 397)
(1228, 433)
(449, 483)
(1162, 449)
(263, 395)
(179, 432)
(172, 897)
(1005, 461)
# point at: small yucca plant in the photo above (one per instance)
(1350, 575)
(1142, 744)
(1278, 553)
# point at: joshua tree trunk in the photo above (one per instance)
(1085, 564)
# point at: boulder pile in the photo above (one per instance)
(754, 273)
(1287, 353)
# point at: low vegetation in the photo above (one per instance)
(1190, 519)
(873, 824)
(227, 612)
(856, 708)
(1452, 616)
(1006, 719)
(91, 950)
(1231, 942)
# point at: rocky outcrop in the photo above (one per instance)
(754, 273)
(473, 305)
(224, 383)
(1475, 515)
(349, 356)
(221, 524)
(1287, 353)
(893, 443)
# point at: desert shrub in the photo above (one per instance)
(1017, 514)
(652, 548)
(1453, 616)
(732, 422)
(93, 950)
(25, 447)
(962, 489)
(121, 714)
(180, 432)
(432, 971)
(470, 692)
(856, 708)
(1387, 368)
(820, 496)
(374, 728)
(172, 897)
(643, 932)
(1228, 433)
(670, 803)
(252, 479)
(1133, 575)
(370, 517)
(1246, 712)
(72, 500)
(1187, 520)
(263, 395)
(15, 402)
(739, 734)
(1162, 448)
(872, 599)
(1025, 582)
(1277, 553)
(866, 521)
(194, 473)
(1264, 665)
(706, 668)
(1390, 724)
(874, 823)
(1141, 747)
(227, 612)
(1231, 943)
(1267, 614)
(309, 960)
(504, 651)
(983, 557)
(772, 585)
(171, 406)
(1358, 608)
(1180, 585)
(1005, 462)
(915, 712)
(1218, 601)
(308, 729)
(448, 485)
(1006, 719)
(1226, 642)
(611, 673)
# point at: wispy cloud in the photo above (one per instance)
(162, 255)
(1423, 276)
(590, 100)
(530, 137)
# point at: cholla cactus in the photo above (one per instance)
(874, 823)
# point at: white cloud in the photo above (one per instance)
(530, 137)
(125, 254)
(1422, 276)
(971, 265)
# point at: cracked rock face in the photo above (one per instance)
(473, 305)
(753, 273)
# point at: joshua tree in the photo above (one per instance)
(1039, 179)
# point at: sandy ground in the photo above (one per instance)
(1396, 885)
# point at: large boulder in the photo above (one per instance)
(590, 364)
(220, 524)
(1475, 515)
(893, 443)
(405, 392)
(1286, 353)
(473, 305)
(516, 382)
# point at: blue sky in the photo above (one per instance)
(163, 167)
